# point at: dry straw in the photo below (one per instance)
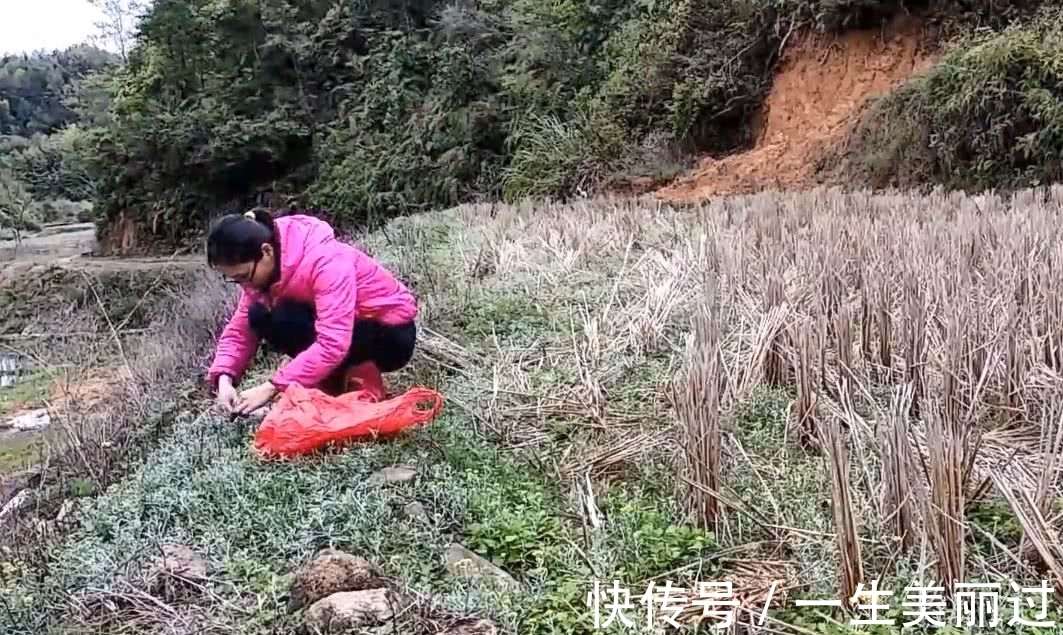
(922, 337)
(695, 396)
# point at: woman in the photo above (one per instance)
(338, 313)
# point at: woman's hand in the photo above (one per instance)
(227, 395)
(254, 398)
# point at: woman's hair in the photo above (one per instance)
(238, 238)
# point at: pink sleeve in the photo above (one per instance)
(334, 304)
(236, 346)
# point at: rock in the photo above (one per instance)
(176, 571)
(65, 511)
(416, 511)
(393, 474)
(331, 571)
(182, 562)
(33, 420)
(478, 627)
(16, 482)
(344, 612)
(466, 563)
(15, 505)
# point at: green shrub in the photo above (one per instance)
(988, 115)
(371, 110)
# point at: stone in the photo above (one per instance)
(466, 563)
(469, 627)
(65, 510)
(350, 610)
(393, 474)
(15, 505)
(176, 572)
(32, 420)
(331, 571)
(182, 562)
(416, 511)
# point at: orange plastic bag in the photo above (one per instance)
(305, 419)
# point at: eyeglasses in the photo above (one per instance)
(243, 279)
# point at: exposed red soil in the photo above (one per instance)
(821, 86)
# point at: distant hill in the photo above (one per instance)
(36, 89)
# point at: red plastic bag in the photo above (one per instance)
(305, 419)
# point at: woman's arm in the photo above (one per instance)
(236, 345)
(335, 297)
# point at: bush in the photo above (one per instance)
(371, 110)
(989, 115)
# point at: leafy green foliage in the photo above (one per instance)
(370, 110)
(516, 525)
(988, 115)
(994, 517)
(42, 98)
(36, 90)
(650, 539)
(18, 209)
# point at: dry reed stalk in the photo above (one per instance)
(952, 446)
(1014, 400)
(607, 458)
(885, 333)
(915, 356)
(775, 364)
(1052, 334)
(867, 321)
(844, 342)
(1051, 447)
(804, 412)
(823, 369)
(850, 562)
(754, 583)
(695, 396)
(1044, 538)
(830, 293)
(897, 468)
(944, 507)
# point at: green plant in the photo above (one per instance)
(650, 539)
(995, 518)
(983, 117)
(516, 526)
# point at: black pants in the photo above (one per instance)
(289, 329)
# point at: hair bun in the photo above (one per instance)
(249, 214)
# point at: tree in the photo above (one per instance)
(118, 28)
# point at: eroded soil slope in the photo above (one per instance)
(822, 84)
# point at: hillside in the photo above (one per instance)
(741, 377)
(577, 347)
(46, 99)
(821, 87)
(367, 111)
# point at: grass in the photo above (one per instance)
(554, 333)
(18, 450)
(30, 390)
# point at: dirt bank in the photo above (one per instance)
(822, 84)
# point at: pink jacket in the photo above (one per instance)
(341, 282)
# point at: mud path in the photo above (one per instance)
(72, 245)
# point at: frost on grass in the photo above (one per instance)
(554, 333)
